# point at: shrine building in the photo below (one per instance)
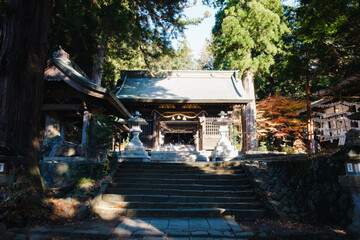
(181, 106)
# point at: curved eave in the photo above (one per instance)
(83, 85)
(118, 105)
(194, 101)
(77, 81)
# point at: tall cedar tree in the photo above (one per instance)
(99, 31)
(329, 35)
(323, 45)
(23, 50)
(247, 35)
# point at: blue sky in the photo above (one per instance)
(197, 34)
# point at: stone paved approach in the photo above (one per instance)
(180, 227)
(144, 228)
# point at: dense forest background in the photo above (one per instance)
(277, 46)
(280, 45)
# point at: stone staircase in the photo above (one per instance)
(178, 156)
(201, 189)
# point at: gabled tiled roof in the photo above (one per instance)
(182, 86)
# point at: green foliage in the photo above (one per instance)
(288, 150)
(248, 34)
(214, 3)
(263, 147)
(4, 6)
(323, 45)
(72, 132)
(236, 137)
(95, 171)
(180, 59)
(101, 135)
(130, 32)
(86, 180)
(329, 33)
(21, 203)
(83, 182)
(109, 163)
(135, 59)
(206, 59)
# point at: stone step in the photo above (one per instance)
(181, 169)
(139, 190)
(180, 176)
(180, 205)
(178, 156)
(178, 171)
(180, 190)
(186, 212)
(196, 165)
(175, 198)
(181, 186)
(181, 181)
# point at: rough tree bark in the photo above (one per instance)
(23, 53)
(98, 63)
(250, 112)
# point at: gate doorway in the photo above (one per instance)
(178, 135)
(179, 138)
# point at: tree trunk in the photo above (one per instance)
(308, 107)
(22, 61)
(98, 63)
(250, 112)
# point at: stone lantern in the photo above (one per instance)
(224, 151)
(135, 150)
(351, 181)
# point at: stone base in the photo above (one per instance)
(134, 158)
(224, 156)
(350, 182)
(179, 156)
(64, 159)
(60, 173)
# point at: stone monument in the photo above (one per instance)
(351, 181)
(224, 151)
(135, 150)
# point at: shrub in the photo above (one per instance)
(21, 203)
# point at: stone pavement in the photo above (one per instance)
(142, 228)
(183, 228)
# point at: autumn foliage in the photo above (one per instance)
(279, 125)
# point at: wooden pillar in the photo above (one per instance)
(84, 137)
(244, 147)
(113, 143)
(155, 131)
(197, 140)
(62, 131)
(202, 130)
(356, 110)
(120, 140)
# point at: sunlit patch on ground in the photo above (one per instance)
(283, 228)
